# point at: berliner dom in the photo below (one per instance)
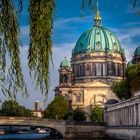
(97, 61)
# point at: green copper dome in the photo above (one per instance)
(65, 63)
(137, 51)
(129, 63)
(97, 38)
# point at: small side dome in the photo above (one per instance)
(129, 63)
(137, 51)
(111, 101)
(65, 63)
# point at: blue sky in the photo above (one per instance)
(117, 15)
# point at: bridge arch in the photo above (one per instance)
(58, 125)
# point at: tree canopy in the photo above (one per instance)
(57, 109)
(40, 47)
(97, 114)
(126, 88)
(78, 115)
(12, 108)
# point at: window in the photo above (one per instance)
(93, 69)
(78, 97)
(116, 69)
(104, 69)
(110, 69)
(98, 69)
(65, 78)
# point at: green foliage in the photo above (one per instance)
(12, 108)
(97, 114)
(135, 3)
(78, 115)
(9, 42)
(121, 89)
(91, 6)
(40, 52)
(57, 108)
(126, 88)
(132, 72)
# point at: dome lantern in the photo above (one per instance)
(97, 17)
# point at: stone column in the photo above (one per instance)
(125, 116)
(132, 115)
(122, 116)
(139, 113)
(134, 108)
(129, 115)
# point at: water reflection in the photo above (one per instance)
(35, 136)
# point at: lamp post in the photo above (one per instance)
(70, 105)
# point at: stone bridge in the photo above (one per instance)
(58, 125)
(67, 129)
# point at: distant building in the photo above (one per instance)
(97, 61)
(37, 112)
(37, 105)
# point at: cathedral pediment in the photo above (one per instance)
(97, 83)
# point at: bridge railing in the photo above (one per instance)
(124, 114)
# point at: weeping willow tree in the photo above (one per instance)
(9, 43)
(39, 53)
(90, 3)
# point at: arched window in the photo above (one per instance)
(110, 69)
(82, 70)
(98, 69)
(77, 70)
(88, 69)
(80, 67)
(116, 69)
(119, 74)
(104, 69)
(93, 69)
(79, 97)
(65, 78)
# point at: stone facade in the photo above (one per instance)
(90, 85)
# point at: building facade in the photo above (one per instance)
(97, 61)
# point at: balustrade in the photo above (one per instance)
(125, 113)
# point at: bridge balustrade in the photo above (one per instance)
(124, 114)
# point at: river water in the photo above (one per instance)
(32, 136)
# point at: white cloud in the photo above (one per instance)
(131, 24)
(61, 22)
(126, 37)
